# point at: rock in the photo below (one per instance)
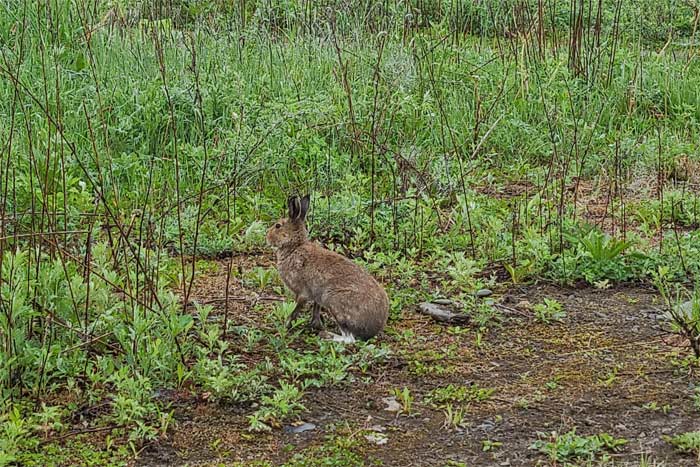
(487, 426)
(482, 293)
(391, 404)
(443, 301)
(377, 438)
(299, 428)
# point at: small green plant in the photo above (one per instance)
(454, 417)
(609, 378)
(688, 443)
(488, 445)
(520, 272)
(462, 271)
(484, 314)
(336, 451)
(572, 447)
(682, 309)
(405, 398)
(552, 384)
(654, 407)
(549, 310)
(14, 437)
(440, 397)
(602, 247)
(595, 257)
(261, 278)
(284, 403)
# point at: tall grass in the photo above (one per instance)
(136, 136)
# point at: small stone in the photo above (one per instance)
(377, 438)
(299, 428)
(391, 404)
(481, 293)
(524, 305)
(487, 426)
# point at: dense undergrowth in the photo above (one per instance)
(513, 141)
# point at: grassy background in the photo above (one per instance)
(529, 139)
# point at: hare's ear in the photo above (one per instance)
(293, 207)
(304, 207)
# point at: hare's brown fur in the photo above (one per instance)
(316, 275)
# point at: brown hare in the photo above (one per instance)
(326, 279)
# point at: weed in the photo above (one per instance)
(283, 404)
(161, 135)
(488, 445)
(552, 384)
(610, 377)
(262, 278)
(686, 442)
(654, 407)
(548, 311)
(572, 447)
(405, 398)
(454, 417)
(683, 315)
(336, 451)
(462, 271)
(440, 397)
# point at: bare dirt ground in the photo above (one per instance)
(608, 367)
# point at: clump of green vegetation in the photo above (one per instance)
(688, 443)
(440, 397)
(488, 445)
(572, 447)
(454, 417)
(140, 137)
(549, 310)
(405, 400)
(282, 404)
(336, 451)
(682, 309)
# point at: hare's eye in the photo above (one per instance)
(278, 225)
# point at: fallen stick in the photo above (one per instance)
(442, 314)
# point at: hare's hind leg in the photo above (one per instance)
(345, 336)
(316, 322)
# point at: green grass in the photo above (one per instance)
(572, 447)
(432, 137)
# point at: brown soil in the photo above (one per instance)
(604, 363)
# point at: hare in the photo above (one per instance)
(326, 279)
